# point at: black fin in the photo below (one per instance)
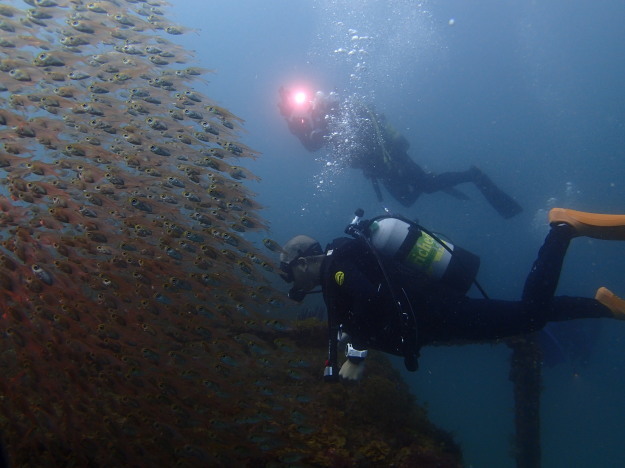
(503, 203)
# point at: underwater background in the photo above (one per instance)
(532, 93)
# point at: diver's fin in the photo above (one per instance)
(612, 302)
(454, 192)
(503, 203)
(599, 226)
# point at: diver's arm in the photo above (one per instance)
(352, 368)
(364, 297)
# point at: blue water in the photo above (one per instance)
(532, 92)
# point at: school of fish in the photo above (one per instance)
(137, 323)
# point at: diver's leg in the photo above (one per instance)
(543, 278)
(462, 318)
(498, 199)
(406, 180)
(569, 308)
(402, 190)
(445, 180)
(598, 226)
(465, 319)
(403, 179)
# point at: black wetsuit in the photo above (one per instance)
(361, 304)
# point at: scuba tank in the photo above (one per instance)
(410, 245)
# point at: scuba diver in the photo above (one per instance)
(394, 286)
(367, 142)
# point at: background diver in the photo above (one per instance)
(395, 287)
(377, 149)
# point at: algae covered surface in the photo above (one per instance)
(138, 316)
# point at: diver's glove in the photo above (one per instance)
(354, 367)
(351, 370)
